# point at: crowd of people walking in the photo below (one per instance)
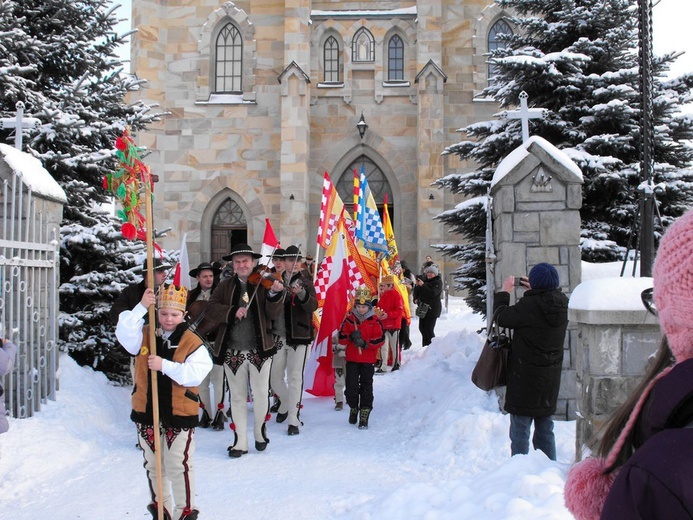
(243, 335)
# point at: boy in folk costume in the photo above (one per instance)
(391, 306)
(293, 335)
(362, 334)
(198, 298)
(181, 363)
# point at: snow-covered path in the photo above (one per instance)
(436, 448)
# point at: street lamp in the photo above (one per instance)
(361, 126)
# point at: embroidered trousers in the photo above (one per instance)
(177, 449)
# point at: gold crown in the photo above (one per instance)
(362, 296)
(172, 297)
(388, 279)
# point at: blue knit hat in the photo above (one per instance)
(543, 276)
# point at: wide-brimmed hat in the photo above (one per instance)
(278, 253)
(159, 265)
(292, 252)
(241, 249)
(204, 266)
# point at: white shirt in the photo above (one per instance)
(189, 373)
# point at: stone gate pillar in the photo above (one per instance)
(537, 196)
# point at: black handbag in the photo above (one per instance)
(422, 309)
(491, 368)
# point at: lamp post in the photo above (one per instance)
(647, 202)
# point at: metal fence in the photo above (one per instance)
(29, 278)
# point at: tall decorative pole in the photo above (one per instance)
(127, 183)
(647, 201)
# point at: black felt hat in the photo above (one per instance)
(159, 265)
(241, 249)
(292, 252)
(204, 266)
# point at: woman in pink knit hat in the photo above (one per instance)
(644, 467)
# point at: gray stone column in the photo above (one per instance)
(537, 195)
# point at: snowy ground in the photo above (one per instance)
(437, 448)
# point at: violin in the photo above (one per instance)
(265, 278)
(198, 323)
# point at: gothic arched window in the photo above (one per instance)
(377, 182)
(395, 59)
(363, 46)
(229, 60)
(496, 41)
(332, 60)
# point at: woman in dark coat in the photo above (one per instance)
(428, 291)
(644, 463)
(539, 320)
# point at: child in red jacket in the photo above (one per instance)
(362, 334)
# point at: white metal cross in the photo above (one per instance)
(524, 114)
(19, 122)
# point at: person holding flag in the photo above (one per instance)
(391, 307)
(362, 334)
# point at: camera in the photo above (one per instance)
(518, 281)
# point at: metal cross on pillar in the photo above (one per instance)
(524, 114)
(19, 123)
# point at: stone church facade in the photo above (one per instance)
(264, 96)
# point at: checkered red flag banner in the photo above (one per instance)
(330, 209)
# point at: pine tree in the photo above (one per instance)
(578, 60)
(59, 58)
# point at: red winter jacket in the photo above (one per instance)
(392, 303)
(371, 331)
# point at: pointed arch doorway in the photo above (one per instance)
(377, 181)
(229, 227)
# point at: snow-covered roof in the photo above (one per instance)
(32, 172)
(521, 152)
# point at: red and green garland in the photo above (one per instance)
(126, 184)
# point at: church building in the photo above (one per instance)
(264, 96)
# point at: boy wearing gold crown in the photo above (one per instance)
(362, 334)
(181, 364)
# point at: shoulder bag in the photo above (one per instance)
(490, 370)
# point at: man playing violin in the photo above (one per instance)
(244, 338)
(198, 299)
(293, 335)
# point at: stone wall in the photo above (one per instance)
(615, 340)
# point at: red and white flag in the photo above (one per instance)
(269, 245)
(319, 372)
(181, 277)
(331, 207)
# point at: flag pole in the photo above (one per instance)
(152, 346)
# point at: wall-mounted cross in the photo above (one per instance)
(524, 114)
(19, 123)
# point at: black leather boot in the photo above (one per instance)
(353, 415)
(205, 420)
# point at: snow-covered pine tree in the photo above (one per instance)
(59, 58)
(579, 60)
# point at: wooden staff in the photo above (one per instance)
(152, 347)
